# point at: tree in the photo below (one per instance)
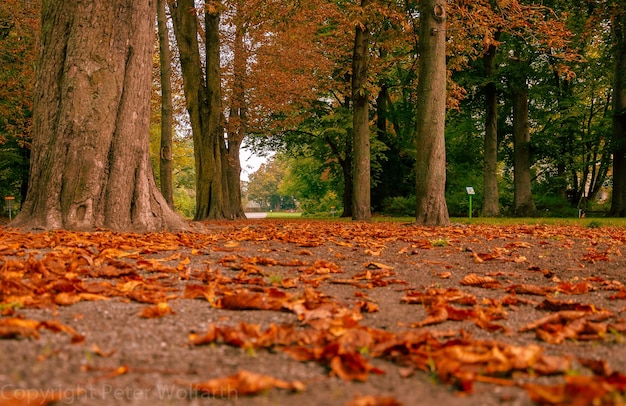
(360, 123)
(431, 111)
(264, 186)
(523, 203)
(203, 95)
(618, 30)
(19, 33)
(167, 112)
(90, 164)
(491, 205)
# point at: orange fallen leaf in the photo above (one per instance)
(482, 281)
(160, 310)
(373, 401)
(245, 383)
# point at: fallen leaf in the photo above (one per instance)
(244, 383)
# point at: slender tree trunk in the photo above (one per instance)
(360, 124)
(167, 117)
(237, 121)
(90, 162)
(345, 161)
(618, 204)
(491, 205)
(431, 113)
(346, 167)
(203, 99)
(523, 203)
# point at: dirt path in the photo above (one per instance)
(320, 312)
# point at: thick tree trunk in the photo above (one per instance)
(491, 205)
(203, 98)
(431, 113)
(360, 124)
(90, 162)
(618, 204)
(523, 203)
(167, 115)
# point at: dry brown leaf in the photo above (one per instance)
(482, 281)
(373, 401)
(245, 383)
(153, 312)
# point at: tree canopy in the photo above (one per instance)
(533, 103)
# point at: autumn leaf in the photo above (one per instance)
(481, 281)
(373, 401)
(160, 310)
(245, 383)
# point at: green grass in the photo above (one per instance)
(592, 222)
(283, 215)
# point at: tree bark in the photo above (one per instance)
(360, 124)
(167, 115)
(237, 119)
(90, 163)
(431, 113)
(491, 205)
(204, 104)
(523, 203)
(618, 203)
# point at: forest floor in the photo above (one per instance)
(283, 312)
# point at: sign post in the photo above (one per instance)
(470, 193)
(8, 205)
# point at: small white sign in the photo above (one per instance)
(470, 190)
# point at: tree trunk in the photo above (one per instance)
(167, 118)
(90, 162)
(491, 204)
(431, 113)
(523, 203)
(618, 204)
(360, 124)
(237, 120)
(203, 99)
(346, 168)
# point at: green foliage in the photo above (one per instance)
(465, 166)
(18, 52)
(183, 171)
(310, 183)
(399, 206)
(264, 187)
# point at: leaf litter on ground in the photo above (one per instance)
(491, 306)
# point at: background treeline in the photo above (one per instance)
(535, 120)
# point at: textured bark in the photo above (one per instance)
(167, 115)
(361, 186)
(523, 203)
(237, 121)
(90, 163)
(618, 204)
(431, 113)
(203, 99)
(491, 205)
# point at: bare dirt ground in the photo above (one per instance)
(333, 313)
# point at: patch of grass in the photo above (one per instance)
(550, 221)
(12, 306)
(594, 224)
(439, 242)
(283, 215)
(275, 279)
